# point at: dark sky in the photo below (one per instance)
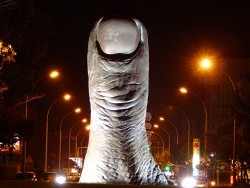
(177, 32)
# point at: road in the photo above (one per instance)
(39, 184)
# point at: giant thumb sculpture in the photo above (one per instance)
(118, 68)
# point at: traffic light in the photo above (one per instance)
(167, 168)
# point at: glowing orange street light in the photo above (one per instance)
(189, 127)
(156, 126)
(54, 74)
(66, 97)
(205, 63)
(161, 118)
(87, 127)
(72, 127)
(77, 111)
(184, 90)
(84, 120)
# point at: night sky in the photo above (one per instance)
(178, 31)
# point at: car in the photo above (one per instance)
(49, 176)
(26, 176)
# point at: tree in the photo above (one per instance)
(29, 31)
(7, 55)
(162, 158)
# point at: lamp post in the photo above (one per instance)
(76, 146)
(87, 127)
(188, 123)
(66, 97)
(77, 110)
(53, 75)
(177, 134)
(169, 143)
(234, 117)
(206, 64)
(74, 125)
(161, 140)
(184, 91)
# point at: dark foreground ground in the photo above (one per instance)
(22, 184)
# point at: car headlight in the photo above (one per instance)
(60, 179)
(188, 182)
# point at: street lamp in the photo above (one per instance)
(72, 127)
(76, 146)
(66, 97)
(188, 123)
(53, 75)
(205, 63)
(234, 118)
(184, 90)
(161, 140)
(76, 110)
(177, 134)
(169, 143)
(87, 127)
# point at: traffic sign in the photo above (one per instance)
(148, 116)
(148, 125)
(149, 143)
(149, 134)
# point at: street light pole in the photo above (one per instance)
(234, 117)
(234, 130)
(169, 143)
(184, 90)
(207, 65)
(77, 110)
(169, 150)
(76, 150)
(53, 74)
(188, 123)
(161, 140)
(177, 134)
(66, 97)
(46, 133)
(74, 125)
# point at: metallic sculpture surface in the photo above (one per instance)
(118, 67)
